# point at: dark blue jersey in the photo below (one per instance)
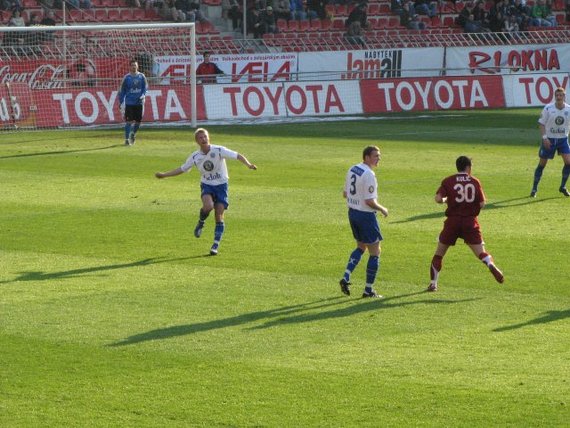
(133, 88)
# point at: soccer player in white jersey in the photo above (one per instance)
(554, 124)
(210, 160)
(361, 193)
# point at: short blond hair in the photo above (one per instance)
(200, 131)
(560, 89)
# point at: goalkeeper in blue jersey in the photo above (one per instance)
(131, 99)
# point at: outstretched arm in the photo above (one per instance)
(244, 160)
(172, 173)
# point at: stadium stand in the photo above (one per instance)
(383, 30)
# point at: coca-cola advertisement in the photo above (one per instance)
(81, 92)
(42, 74)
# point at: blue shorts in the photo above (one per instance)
(219, 193)
(364, 226)
(560, 144)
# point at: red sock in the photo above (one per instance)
(486, 258)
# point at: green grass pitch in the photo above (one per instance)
(112, 315)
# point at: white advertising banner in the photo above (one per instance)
(516, 59)
(285, 99)
(237, 68)
(371, 64)
(532, 90)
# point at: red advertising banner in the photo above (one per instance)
(20, 105)
(424, 94)
(17, 106)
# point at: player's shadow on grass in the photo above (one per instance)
(327, 308)
(549, 316)
(364, 306)
(507, 203)
(59, 152)
(183, 330)
(46, 276)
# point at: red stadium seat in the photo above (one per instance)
(292, 26)
(341, 10)
(113, 15)
(139, 15)
(326, 24)
(304, 26)
(125, 15)
(373, 9)
(315, 25)
(393, 22)
(448, 21)
(338, 24)
(101, 15)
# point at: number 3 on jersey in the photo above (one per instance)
(353, 184)
(464, 192)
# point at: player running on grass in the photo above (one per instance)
(464, 197)
(210, 160)
(554, 124)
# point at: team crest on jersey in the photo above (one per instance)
(559, 120)
(208, 165)
(371, 189)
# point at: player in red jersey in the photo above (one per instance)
(464, 197)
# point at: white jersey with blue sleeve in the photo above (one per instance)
(212, 165)
(556, 121)
(360, 185)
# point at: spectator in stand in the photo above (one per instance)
(316, 9)
(298, 10)
(498, 16)
(480, 16)
(425, 7)
(45, 4)
(354, 34)
(473, 26)
(167, 10)
(511, 27)
(15, 20)
(358, 14)
(231, 9)
(409, 20)
(269, 20)
(140, 4)
(541, 15)
(254, 22)
(207, 71)
(198, 14)
(522, 13)
(11, 5)
(396, 6)
(183, 11)
(34, 20)
(282, 9)
(49, 19)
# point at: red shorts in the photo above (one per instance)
(466, 228)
